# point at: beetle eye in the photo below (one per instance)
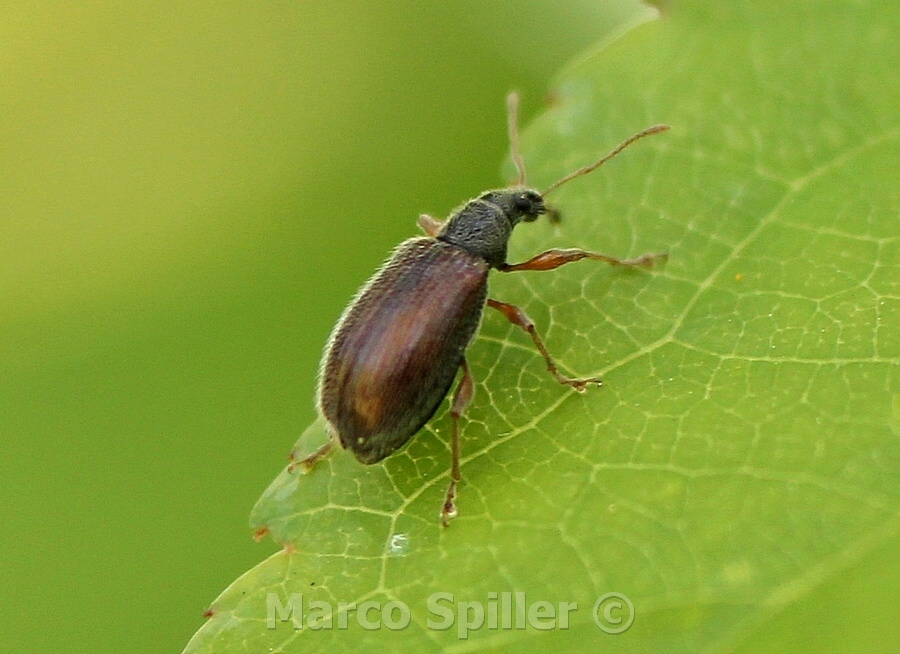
(523, 204)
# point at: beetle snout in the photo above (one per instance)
(536, 209)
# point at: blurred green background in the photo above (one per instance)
(189, 194)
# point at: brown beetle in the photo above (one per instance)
(396, 350)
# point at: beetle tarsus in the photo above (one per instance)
(308, 463)
(448, 511)
(579, 385)
(644, 261)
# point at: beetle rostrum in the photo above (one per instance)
(398, 347)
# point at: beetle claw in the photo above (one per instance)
(581, 385)
(308, 463)
(448, 511)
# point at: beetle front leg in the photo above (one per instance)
(520, 319)
(431, 225)
(552, 259)
(461, 399)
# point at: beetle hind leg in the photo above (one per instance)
(308, 463)
(461, 399)
(520, 319)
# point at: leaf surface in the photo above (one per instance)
(744, 447)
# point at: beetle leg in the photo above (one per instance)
(430, 225)
(461, 399)
(520, 319)
(310, 461)
(552, 259)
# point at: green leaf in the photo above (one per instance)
(744, 448)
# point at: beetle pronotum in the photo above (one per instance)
(396, 350)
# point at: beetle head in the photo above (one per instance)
(528, 204)
(518, 204)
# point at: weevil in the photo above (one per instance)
(398, 347)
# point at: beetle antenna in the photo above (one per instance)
(656, 129)
(512, 109)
